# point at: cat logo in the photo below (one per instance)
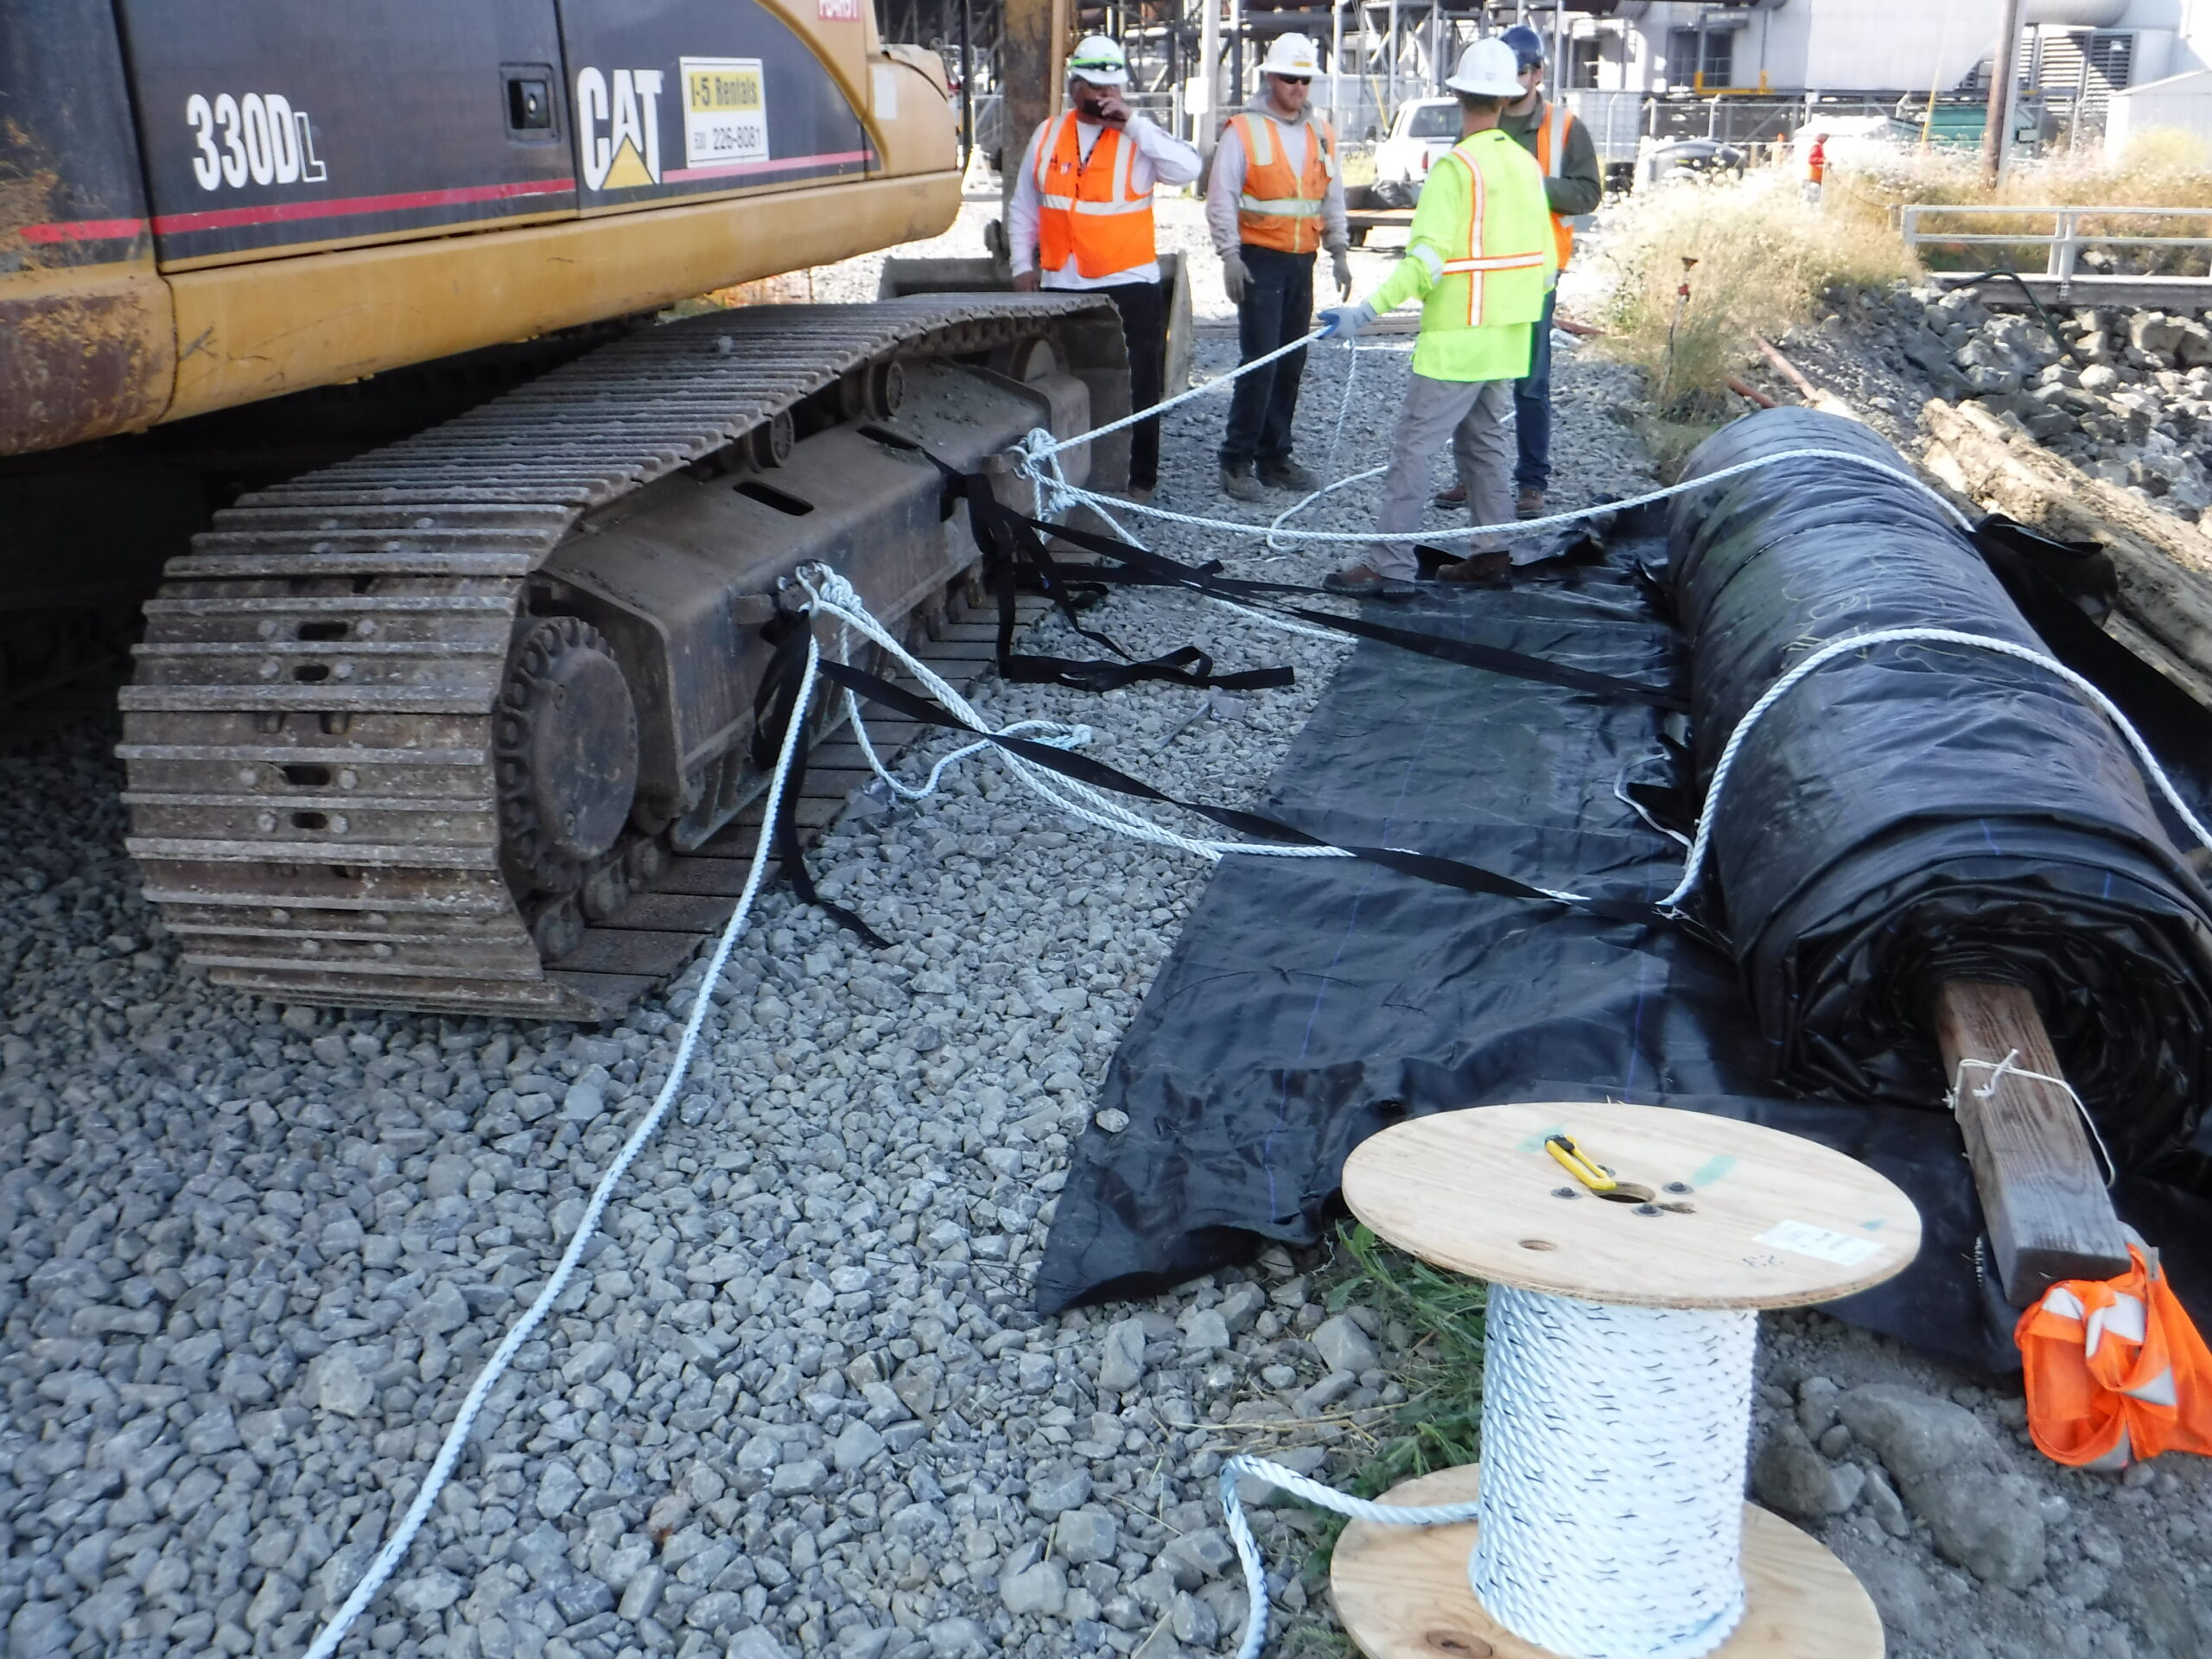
(618, 135)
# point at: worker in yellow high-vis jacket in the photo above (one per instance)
(1479, 257)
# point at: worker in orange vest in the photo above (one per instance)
(1277, 195)
(1816, 167)
(1081, 218)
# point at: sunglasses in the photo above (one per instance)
(1293, 81)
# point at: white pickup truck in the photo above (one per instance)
(1426, 129)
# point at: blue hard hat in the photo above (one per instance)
(1528, 45)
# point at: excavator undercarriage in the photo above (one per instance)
(404, 727)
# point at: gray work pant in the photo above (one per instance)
(1472, 415)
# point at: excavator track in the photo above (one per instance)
(321, 740)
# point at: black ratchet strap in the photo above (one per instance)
(772, 708)
(1449, 872)
(1010, 543)
(1144, 567)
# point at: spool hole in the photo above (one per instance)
(1538, 1244)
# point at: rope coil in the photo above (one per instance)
(1614, 1444)
(1615, 1441)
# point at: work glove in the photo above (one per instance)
(1340, 262)
(1343, 322)
(1234, 275)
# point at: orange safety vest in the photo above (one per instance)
(1278, 209)
(1551, 155)
(2115, 1372)
(1088, 210)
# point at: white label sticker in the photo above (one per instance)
(887, 92)
(1802, 1238)
(725, 111)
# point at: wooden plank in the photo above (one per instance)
(833, 783)
(676, 912)
(723, 877)
(2042, 1194)
(609, 994)
(628, 952)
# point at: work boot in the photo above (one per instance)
(1489, 568)
(1529, 504)
(1364, 580)
(1455, 497)
(1288, 474)
(1238, 484)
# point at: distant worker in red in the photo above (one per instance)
(1816, 166)
(1081, 218)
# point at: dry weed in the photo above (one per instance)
(1766, 259)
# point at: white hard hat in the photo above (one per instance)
(1101, 62)
(1291, 54)
(1488, 69)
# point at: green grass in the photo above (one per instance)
(1437, 1427)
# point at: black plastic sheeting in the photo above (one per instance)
(1312, 1003)
(1915, 812)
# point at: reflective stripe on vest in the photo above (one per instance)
(1088, 211)
(1278, 209)
(2114, 1370)
(1491, 276)
(1551, 155)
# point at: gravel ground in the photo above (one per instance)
(796, 1403)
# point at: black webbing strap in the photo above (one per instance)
(773, 705)
(1146, 569)
(1010, 541)
(1449, 872)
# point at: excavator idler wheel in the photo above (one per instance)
(875, 392)
(565, 743)
(771, 441)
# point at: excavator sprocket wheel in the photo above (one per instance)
(565, 745)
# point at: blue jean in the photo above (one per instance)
(1277, 308)
(1532, 408)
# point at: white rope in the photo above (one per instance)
(1054, 446)
(1614, 1442)
(1036, 458)
(1849, 643)
(830, 594)
(2011, 1067)
(395, 1550)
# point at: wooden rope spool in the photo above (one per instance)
(1762, 1220)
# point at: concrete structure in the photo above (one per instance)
(1795, 46)
(2179, 103)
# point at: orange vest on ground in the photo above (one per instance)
(1551, 155)
(1088, 210)
(2115, 1372)
(1278, 209)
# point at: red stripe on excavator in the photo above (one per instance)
(84, 229)
(219, 218)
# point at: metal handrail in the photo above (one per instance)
(2066, 238)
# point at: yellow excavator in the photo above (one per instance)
(465, 649)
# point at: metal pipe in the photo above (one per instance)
(1337, 68)
(967, 85)
(1390, 81)
(1208, 122)
(2002, 72)
(1236, 55)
